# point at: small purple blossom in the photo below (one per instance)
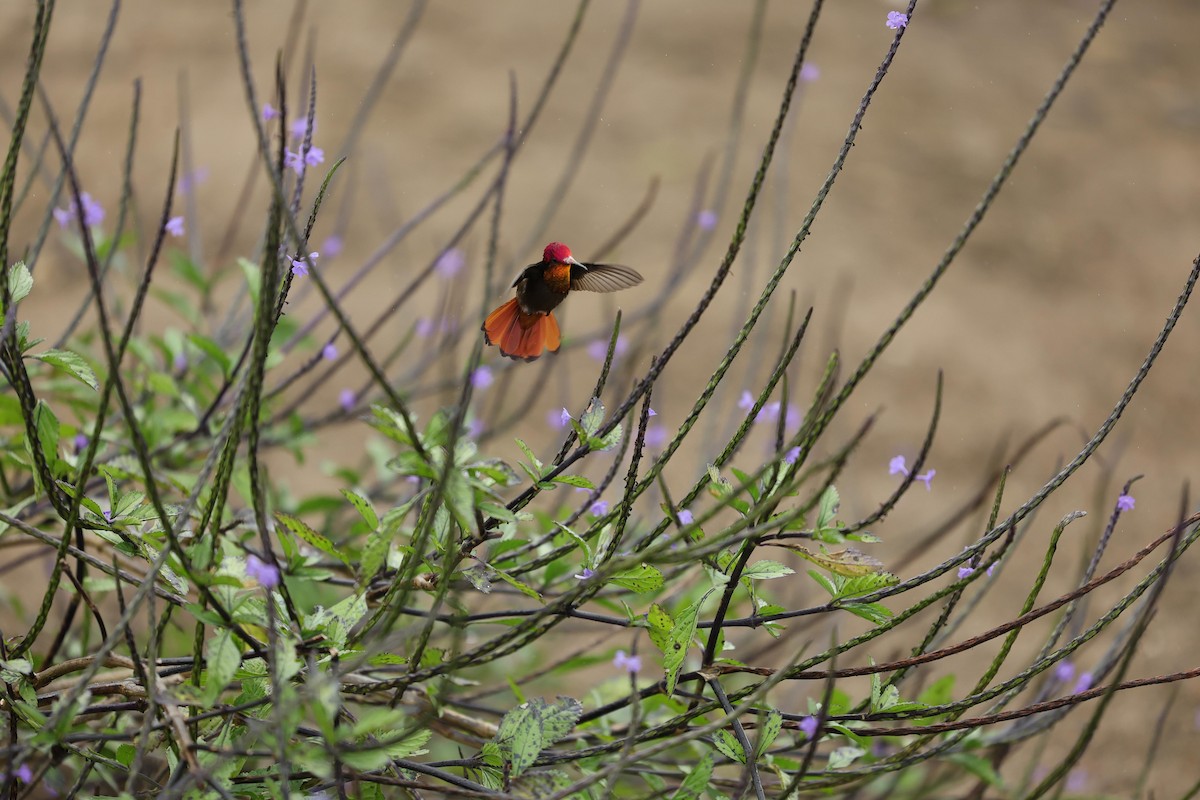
(269, 112)
(300, 266)
(1077, 781)
(264, 574)
(482, 378)
(685, 517)
(1064, 671)
(791, 419)
(474, 428)
(329, 352)
(174, 226)
(23, 773)
(180, 362)
(81, 442)
(555, 419)
(965, 572)
(897, 20)
(425, 327)
(651, 413)
(746, 401)
(809, 72)
(792, 456)
(346, 399)
(62, 216)
(769, 412)
(926, 478)
(314, 156)
(598, 508)
(707, 219)
(107, 515)
(193, 179)
(898, 464)
(93, 212)
(1125, 503)
(587, 573)
(294, 162)
(1083, 683)
(598, 350)
(992, 568)
(808, 726)
(630, 664)
(300, 127)
(656, 436)
(332, 245)
(450, 263)
(564, 418)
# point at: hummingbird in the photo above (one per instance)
(525, 326)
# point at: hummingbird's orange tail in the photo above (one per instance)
(521, 335)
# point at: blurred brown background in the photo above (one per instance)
(1048, 311)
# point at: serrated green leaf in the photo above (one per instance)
(221, 664)
(213, 351)
(876, 613)
(574, 480)
(608, 441)
(680, 640)
(20, 282)
(317, 540)
(691, 787)
(47, 427)
(71, 363)
(729, 746)
(845, 756)
(938, 693)
(772, 724)
(766, 570)
(532, 727)
(642, 578)
(660, 625)
(364, 507)
(592, 418)
(828, 508)
(523, 588)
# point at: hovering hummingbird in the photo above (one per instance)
(525, 326)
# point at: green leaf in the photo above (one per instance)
(222, 662)
(592, 418)
(938, 693)
(979, 767)
(574, 480)
(71, 363)
(523, 588)
(253, 278)
(642, 578)
(660, 625)
(47, 427)
(20, 282)
(675, 652)
(532, 727)
(365, 509)
(212, 350)
(876, 613)
(845, 756)
(301, 529)
(766, 570)
(729, 746)
(696, 781)
(183, 266)
(771, 726)
(828, 508)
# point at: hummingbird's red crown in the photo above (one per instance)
(557, 252)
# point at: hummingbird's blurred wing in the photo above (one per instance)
(603, 277)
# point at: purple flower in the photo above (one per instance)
(808, 726)
(556, 420)
(1076, 781)
(630, 664)
(269, 112)
(425, 327)
(450, 263)
(1064, 671)
(768, 413)
(598, 508)
(791, 420)
(926, 478)
(23, 773)
(1125, 503)
(62, 216)
(347, 399)
(300, 266)
(300, 127)
(598, 349)
(180, 362)
(193, 179)
(294, 162)
(965, 572)
(707, 219)
(332, 245)
(314, 156)
(897, 20)
(685, 517)
(587, 573)
(474, 428)
(174, 226)
(564, 418)
(93, 212)
(329, 352)
(651, 413)
(791, 456)
(107, 515)
(809, 72)
(992, 568)
(482, 378)
(81, 442)
(746, 401)
(898, 464)
(264, 574)
(656, 436)
(1083, 683)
